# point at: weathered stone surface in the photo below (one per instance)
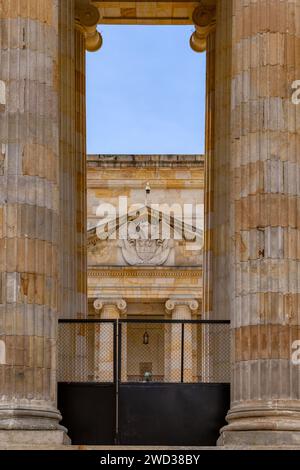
(180, 309)
(258, 439)
(145, 12)
(108, 309)
(81, 176)
(264, 214)
(68, 175)
(44, 439)
(29, 260)
(251, 207)
(173, 179)
(209, 175)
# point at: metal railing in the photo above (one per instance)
(135, 350)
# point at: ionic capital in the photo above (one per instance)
(118, 304)
(172, 304)
(204, 19)
(87, 17)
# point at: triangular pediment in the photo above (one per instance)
(149, 221)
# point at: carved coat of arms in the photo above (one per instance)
(144, 246)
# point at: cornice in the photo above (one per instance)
(164, 184)
(146, 161)
(162, 272)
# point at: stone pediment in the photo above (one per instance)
(145, 235)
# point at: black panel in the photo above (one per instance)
(149, 413)
(88, 411)
(172, 414)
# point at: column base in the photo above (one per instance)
(29, 417)
(259, 438)
(34, 423)
(37, 437)
(262, 424)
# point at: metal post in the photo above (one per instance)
(117, 338)
(182, 352)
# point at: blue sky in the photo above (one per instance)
(145, 92)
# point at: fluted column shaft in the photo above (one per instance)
(81, 179)
(68, 166)
(264, 216)
(217, 196)
(209, 189)
(209, 273)
(29, 213)
(220, 182)
(213, 33)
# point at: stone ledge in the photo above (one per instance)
(255, 439)
(138, 448)
(145, 161)
(22, 439)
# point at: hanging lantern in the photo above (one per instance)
(145, 338)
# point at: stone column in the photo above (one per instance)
(109, 309)
(217, 159)
(81, 178)
(181, 309)
(205, 21)
(216, 267)
(77, 33)
(30, 218)
(86, 37)
(265, 182)
(204, 38)
(68, 268)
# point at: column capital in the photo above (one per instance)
(171, 304)
(87, 17)
(204, 19)
(119, 304)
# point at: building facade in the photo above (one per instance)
(251, 255)
(154, 266)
